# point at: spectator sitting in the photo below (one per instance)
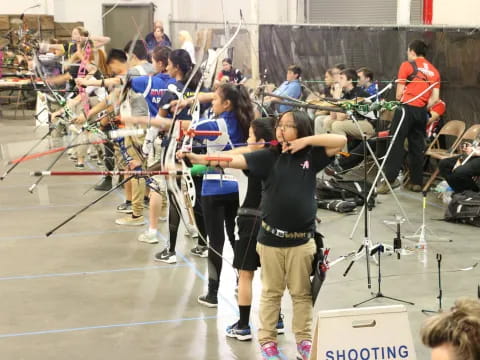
(365, 80)
(157, 37)
(229, 73)
(289, 88)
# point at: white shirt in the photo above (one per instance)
(188, 47)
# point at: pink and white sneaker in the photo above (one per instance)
(304, 350)
(270, 351)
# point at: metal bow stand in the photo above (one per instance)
(440, 290)
(366, 249)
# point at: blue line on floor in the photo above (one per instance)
(40, 276)
(28, 237)
(111, 326)
(201, 276)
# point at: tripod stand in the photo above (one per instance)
(380, 248)
(421, 232)
(440, 291)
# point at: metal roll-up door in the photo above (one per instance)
(352, 12)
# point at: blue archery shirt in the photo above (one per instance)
(227, 123)
(153, 88)
(372, 89)
(291, 89)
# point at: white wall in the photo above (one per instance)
(89, 11)
(458, 12)
(18, 6)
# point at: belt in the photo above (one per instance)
(249, 212)
(285, 234)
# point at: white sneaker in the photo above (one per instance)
(163, 218)
(129, 220)
(147, 237)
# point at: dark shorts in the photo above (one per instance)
(245, 253)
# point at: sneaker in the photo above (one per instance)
(201, 251)
(166, 256)
(234, 331)
(163, 218)
(73, 158)
(129, 220)
(93, 156)
(208, 300)
(270, 351)
(105, 185)
(147, 237)
(125, 208)
(280, 325)
(384, 189)
(80, 166)
(304, 349)
(99, 163)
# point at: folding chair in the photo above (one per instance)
(437, 153)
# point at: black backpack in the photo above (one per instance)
(347, 190)
(464, 208)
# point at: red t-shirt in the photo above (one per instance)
(426, 76)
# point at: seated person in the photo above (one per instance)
(289, 88)
(343, 164)
(365, 80)
(459, 172)
(229, 74)
(337, 123)
(455, 334)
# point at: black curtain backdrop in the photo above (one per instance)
(454, 52)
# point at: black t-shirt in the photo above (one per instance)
(356, 92)
(289, 182)
(253, 197)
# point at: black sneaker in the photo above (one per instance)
(201, 251)
(208, 300)
(105, 185)
(125, 208)
(80, 166)
(166, 256)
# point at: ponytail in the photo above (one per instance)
(241, 104)
(181, 59)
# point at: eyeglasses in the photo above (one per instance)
(286, 126)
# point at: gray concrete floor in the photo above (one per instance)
(92, 291)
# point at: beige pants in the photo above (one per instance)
(138, 185)
(286, 267)
(349, 128)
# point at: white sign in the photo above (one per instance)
(374, 333)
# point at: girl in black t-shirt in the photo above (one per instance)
(285, 242)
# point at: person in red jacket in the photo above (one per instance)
(418, 88)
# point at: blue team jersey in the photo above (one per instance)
(228, 125)
(153, 88)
